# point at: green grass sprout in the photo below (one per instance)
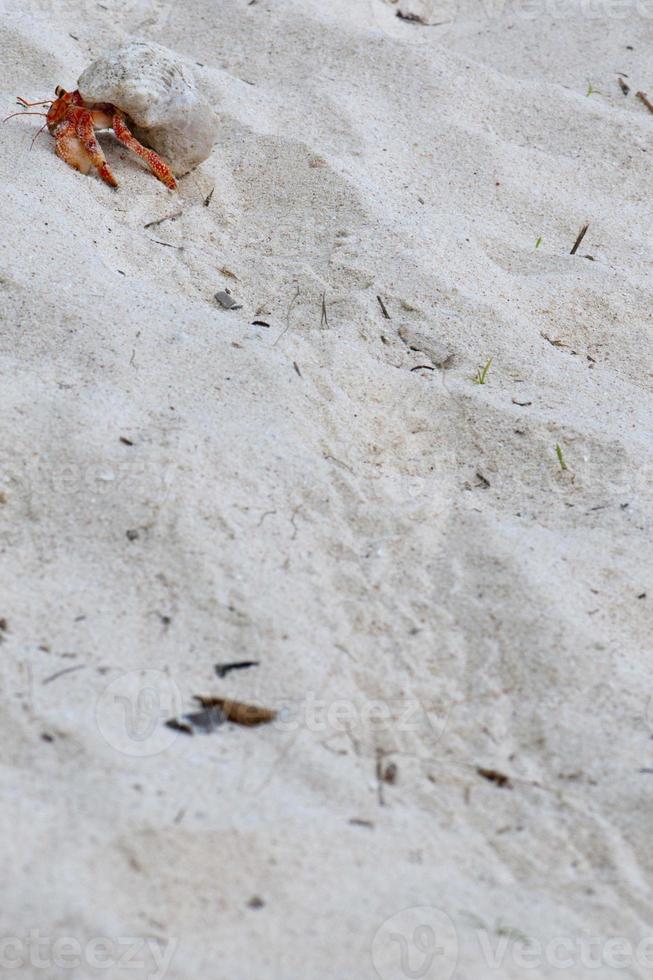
(482, 373)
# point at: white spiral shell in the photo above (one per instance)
(159, 94)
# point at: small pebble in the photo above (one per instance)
(227, 302)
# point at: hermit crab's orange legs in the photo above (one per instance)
(86, 134)
(160, 169)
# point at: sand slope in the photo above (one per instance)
(378, 536)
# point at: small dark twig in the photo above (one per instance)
(159, 221)
(643, 97)
(223, 669)
(580, 237)
(623, 86)
(384, 774)
(60, 673)
(494, 776)
(379, 776)
(287, 326)
(383, 308)
(412, 18)
(324, 322)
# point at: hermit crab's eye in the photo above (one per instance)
(59, 91)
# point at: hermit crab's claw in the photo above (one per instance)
(70, 149)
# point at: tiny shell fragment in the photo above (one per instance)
(238, 712)
(227, 302)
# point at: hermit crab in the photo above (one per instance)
(140, 86)
(73, 121)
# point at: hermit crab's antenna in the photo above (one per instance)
(24, 102)
(38, 133)
(28, 105)
(24, 114)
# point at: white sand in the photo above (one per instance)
(329, 521)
